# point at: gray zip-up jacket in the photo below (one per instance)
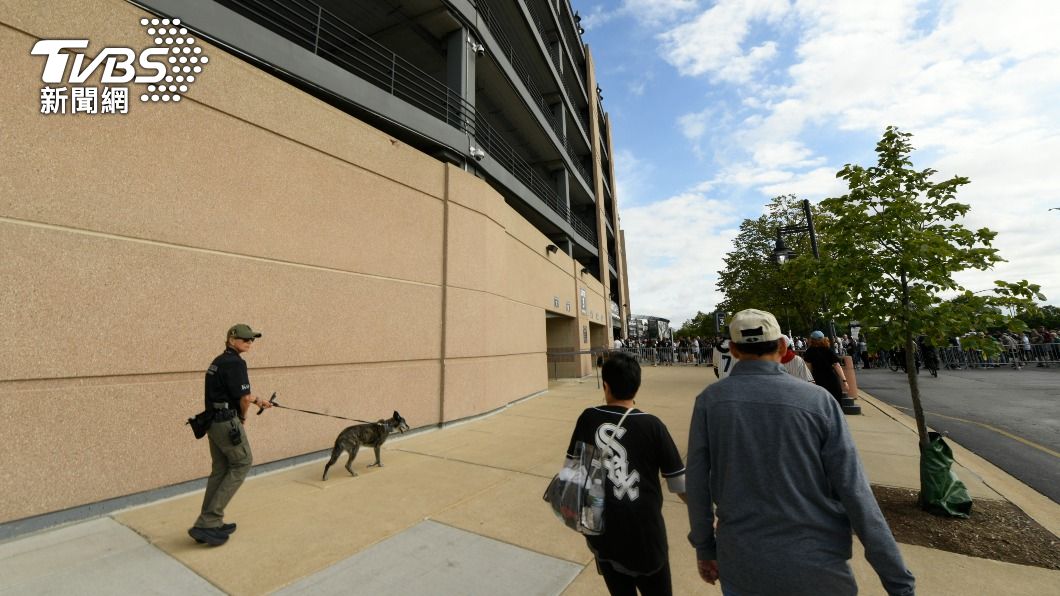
(774, 454)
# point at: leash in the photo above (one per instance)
(272, 400)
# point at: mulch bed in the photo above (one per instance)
(996, 530)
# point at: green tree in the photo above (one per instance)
(701, 325)
(751, 279)
(897, 244)
(1047, 316)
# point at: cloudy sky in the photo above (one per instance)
(718, 105)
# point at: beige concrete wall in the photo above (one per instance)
(381, 278)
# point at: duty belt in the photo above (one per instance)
(220, 405)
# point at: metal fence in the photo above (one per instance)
(668, 356)
(954, 358)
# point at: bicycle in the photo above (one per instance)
(931, 362)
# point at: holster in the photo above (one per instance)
(200, 423)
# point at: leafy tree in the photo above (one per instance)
(1047, 316)
(701, 325)
(897, 244)
(751, 279)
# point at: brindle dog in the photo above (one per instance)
(372, 435)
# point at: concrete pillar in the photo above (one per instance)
(460, 68)
(561, 178)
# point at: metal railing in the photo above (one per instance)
(320, 31)
(500, 33)
(556, 58)
(664, 356)
(954, 358)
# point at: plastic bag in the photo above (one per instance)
(941, 491)
(577, 492)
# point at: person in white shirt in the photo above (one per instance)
(618, 344)
(793, 363)
(723, 360)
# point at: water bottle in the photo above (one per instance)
(596, 505)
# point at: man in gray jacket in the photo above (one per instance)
(775, 455)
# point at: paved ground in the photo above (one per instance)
(1010, 417)
(458, 511)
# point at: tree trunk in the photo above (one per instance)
(910, 371)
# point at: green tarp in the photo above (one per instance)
(941, 491)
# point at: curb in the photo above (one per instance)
(1036, 505)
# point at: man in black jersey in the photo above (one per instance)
(632, 553)
(228, 396)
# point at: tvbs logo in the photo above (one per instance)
(118, 63)
(167, 68)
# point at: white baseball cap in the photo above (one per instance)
(754, 326)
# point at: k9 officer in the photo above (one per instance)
(228, 396)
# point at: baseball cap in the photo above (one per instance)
(753, 326)
(243, 331)
(817, 335)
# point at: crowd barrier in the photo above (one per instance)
(954, 358)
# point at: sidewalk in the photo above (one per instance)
(459, 511)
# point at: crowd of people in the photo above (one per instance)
(1037, 346)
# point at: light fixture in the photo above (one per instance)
(552, 248)
(781, 253)
(585, 270)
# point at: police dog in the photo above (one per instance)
(371, 434)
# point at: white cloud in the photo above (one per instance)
(648, 13)
(632, 179)
(712, 43)
(694, 126)
(975, 81)
(816, 184)
(675, 248)
(656, 12)
(784, 154)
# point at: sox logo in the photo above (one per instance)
(618, 464)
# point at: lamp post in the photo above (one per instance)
(781, 254)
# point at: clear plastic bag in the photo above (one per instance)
(577, 492)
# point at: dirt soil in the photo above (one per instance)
(996, 530)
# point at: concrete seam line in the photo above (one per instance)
(208, 251)
(519, 546)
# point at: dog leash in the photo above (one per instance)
(272, 400)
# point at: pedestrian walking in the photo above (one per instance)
(228, 396)
(723, 360)
(776, 458)
(825, 365)
(794, 365)
(632, 553)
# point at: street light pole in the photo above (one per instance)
(809, 226)
(782, 253)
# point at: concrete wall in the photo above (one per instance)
(381, 278)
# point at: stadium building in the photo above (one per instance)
(414, 201)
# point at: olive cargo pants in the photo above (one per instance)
(230, 466)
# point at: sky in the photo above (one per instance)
(718, 105)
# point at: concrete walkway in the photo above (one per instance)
(459, 511)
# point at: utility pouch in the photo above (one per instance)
(235, 436)
(200, 423)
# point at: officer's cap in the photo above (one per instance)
(243, 331)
